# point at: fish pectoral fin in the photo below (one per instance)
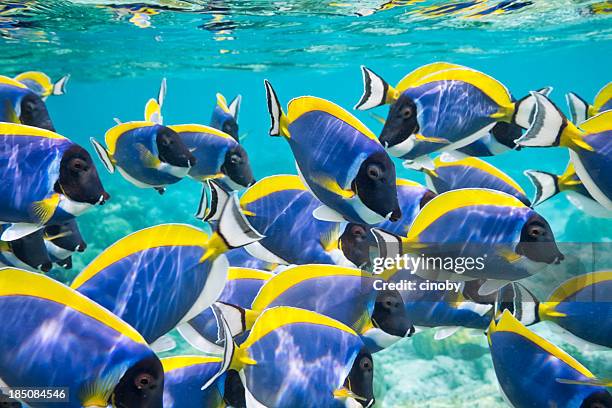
(595, 382)
(491, 286)
(343, 393)
(19, 230)
(324, 213)
(420, 164)
(148, 159)
(329, 240)
(104, 155)
(445, 332)
(332, 185)
(378, 118)
(431, 139)
(163, 344)
(43, 210)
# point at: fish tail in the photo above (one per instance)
(236, 318)
(549, 127)
(59, 87)
(104, 155)
(153, 108)
(388, 245)
(218, 205)
(523, 110)
(278, 119)
(376, 91)
(234, 106)
(546, 185)
(519, 301)
(579, 108)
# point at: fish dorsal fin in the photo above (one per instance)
(41, 79)
(445, 332)
(159, 235)
(304, 104)
(234, 106)
(238, 273)
(113, 134)
(178, 362)
(295, 275)
(222, 103)
(196, 128)
(4, 80)
(270, 185)
(599, 123)
(603, 96)
(402, 182)
(577, 283)
(421, 72)
(280, 316)
(489, 85)
(481, 165)
(16, 129)
(15, 282)
(452, 200)
(509, 323)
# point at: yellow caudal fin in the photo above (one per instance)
(278, 119)
(376, 91)
(44, 209)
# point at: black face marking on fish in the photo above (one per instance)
(376, 186)
(427, 197)
(65, 263)
(142, 386)
(231, 128)
(599, 399)
(79, 179)
(234, 390)
(66, 236)
(538, 242)
(390, 314)
(237, 166)
(32, 251)
(401, 122)
(34, 112)
(506, 133)
(355, 244)
(172, 150)
(361, 378)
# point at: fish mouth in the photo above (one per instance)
(45, 267)
(103, 198)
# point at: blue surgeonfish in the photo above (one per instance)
(339, 159)
(582, 305)
(590, 145)
(46, 178)
(533, 372)
(160, 277)
(239, 291)
(53, 336)
(20, 104)
(510, 240)
(440, 107)
(62, 240)
(147, 154)
(453, 171)
(28, 252)
(42, 85)
(548, 185)
(225, 117)
(345, 294)
(581, 110)
(298, 358)
(281, 206)
(183, 379)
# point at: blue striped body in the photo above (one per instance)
(10, 101)
(129, 157)
(598, 163)
(239, 257)
(29, 168)
(47, 344)
(452, 110)
(327, 147)
(152, 289)
(182, 387)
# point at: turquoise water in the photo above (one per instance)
(308, 48)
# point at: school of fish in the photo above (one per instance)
(295, 322)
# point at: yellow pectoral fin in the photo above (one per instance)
(44, 209)
(344, 393)
(147, 158)
(378, 118)
(432, 139)
(333, 186)
(509, 255)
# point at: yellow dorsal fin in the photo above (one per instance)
(599, 123)
(270, 185)
(421, 72)
(114, 133)
(40, 78)
(603, 96)
(4, 80)
(222, 103)
(195, 128)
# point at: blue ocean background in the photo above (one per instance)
(309, 48)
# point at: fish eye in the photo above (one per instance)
(235, 158)
(374, 172)
(407, 112)
(365, 364)
(144, 381)
(537, 231)
(358, 231)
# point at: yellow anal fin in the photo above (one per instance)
(329, 240)
(432, 139)
(44, 209)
